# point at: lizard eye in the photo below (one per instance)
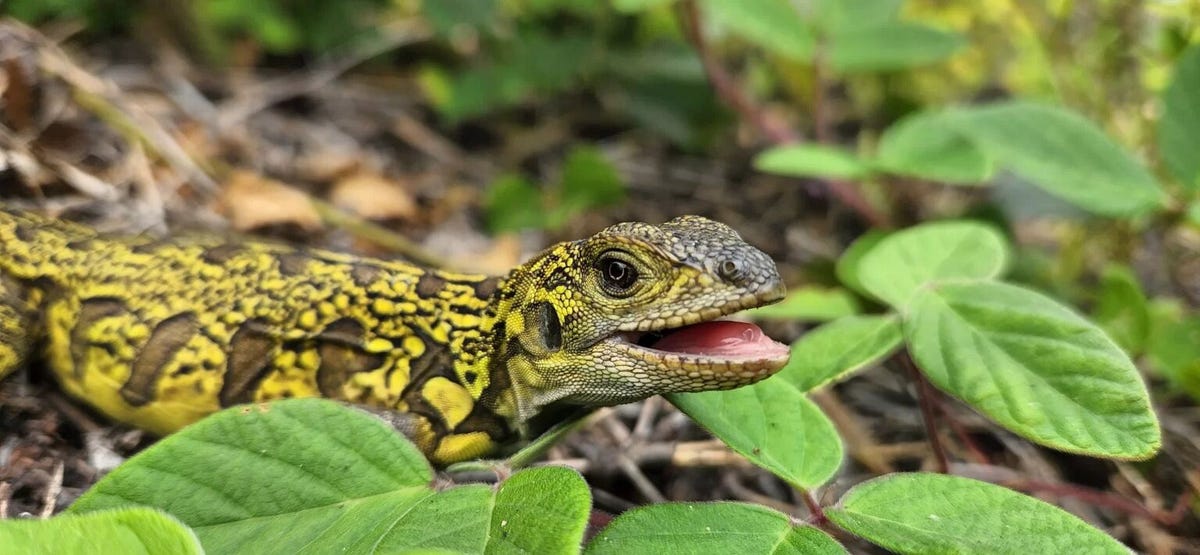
(617, 276)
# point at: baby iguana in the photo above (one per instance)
(160, 332)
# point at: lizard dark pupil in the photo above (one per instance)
(619, 274)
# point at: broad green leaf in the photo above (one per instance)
(835, 16)
(513, 203)
(927, 145)
(891, 46)
(540, 510)
(773, 25)
(773, 425)
(313, 475)
(1173, 348)
(637, 6)
(1064, 154)
(1179, 125)
(847, 265)
(129, 530)
(935, 513)
(845, 345)
(446, 15)
(701, 528)
(811, 160)
(589, 180)
(1121, 309)
(905, 261)
(1034, 366)
(809, 304)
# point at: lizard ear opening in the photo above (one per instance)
(543, 330)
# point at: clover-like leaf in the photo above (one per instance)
(1064, 154)
(772, 424)
(1034, 366)
(935, 513)
(127, 530)
(832, 351)
(809, 304)
(896, 268)
(928, 145)
(316, 475)
(812, 161)
(709, 528)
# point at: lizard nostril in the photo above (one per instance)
(730, 270)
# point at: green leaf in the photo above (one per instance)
(891, 46)
(696, 528)
(905, 261)
(773, 25)
(1173, 348)
(589, 181)
(847, 268)
(810, 304)
(638, 6)
(315, 475)
(835, 16)
(1034, 366)
(927, 145)
(536, 501)
(1179, 125)
(773, 425)
(130, 530)
(811, 160)
(513, 204)
(846, 345)
(935, 513)
(446, 15)
(1063, 154)
(1122, 310)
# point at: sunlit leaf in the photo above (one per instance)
(832, 351)
(1179, 124)
(809, 304)
(811, 160)
(696, 528)
(128, 530)
(905, 261)
(1034, 366)
(936, 513)
(774, 25)
(772, 424)
(928, 145)
(1064, 154)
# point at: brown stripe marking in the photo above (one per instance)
(91, 311)
(250, 358)
(429, 285)
(342, 356)
(168, 338)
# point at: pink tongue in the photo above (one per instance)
(722, 339)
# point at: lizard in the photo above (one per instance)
(157, 332)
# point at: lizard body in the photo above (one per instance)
(158, 333)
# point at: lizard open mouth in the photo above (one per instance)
(736, 353)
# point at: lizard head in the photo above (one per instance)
(633, 312)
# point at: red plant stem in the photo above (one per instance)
(818, 517)
(964, 436)
(928, 399)
(1109, 500)
(776, 132)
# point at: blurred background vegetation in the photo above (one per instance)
(546, 119)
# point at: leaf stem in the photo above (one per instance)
(928, 400)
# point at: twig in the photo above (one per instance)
(377, 234)
(817, 514)
(1108, 500)
(53, 488)
(267, 93)
(741, 491)
(927, 398)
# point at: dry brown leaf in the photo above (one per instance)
(373, 196)
(328, 165)
(252, 201)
